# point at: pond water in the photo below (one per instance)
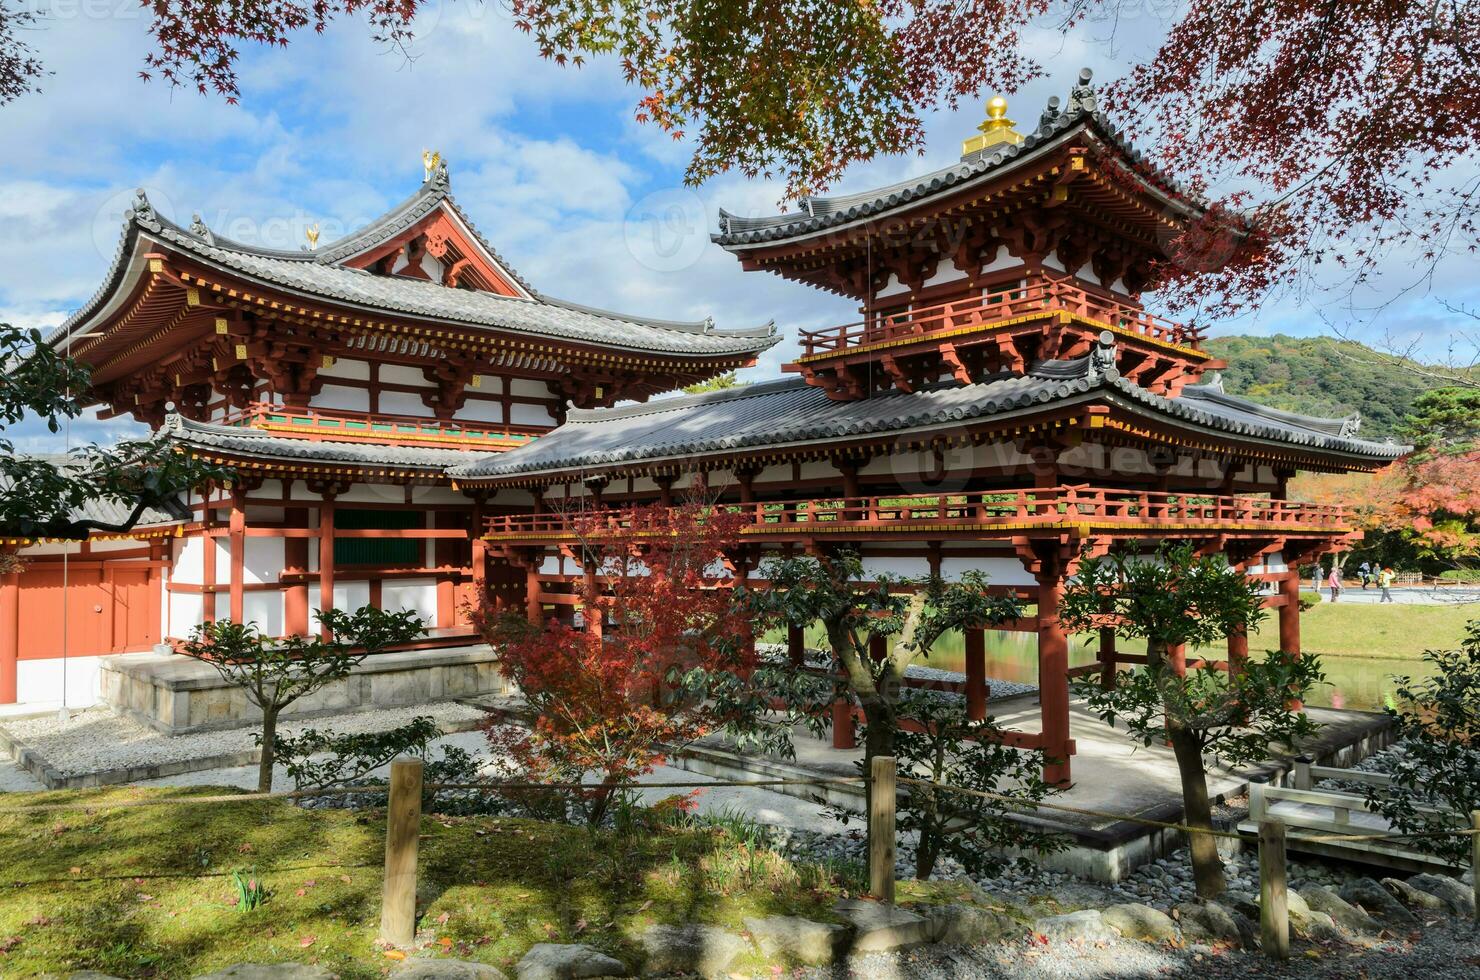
(1362, 683)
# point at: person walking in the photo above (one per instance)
(1334, 581)
(1364, 572)
(1385, 579)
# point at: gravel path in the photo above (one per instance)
(98, 740)
(1449, 950)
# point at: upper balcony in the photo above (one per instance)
(1081, 511)
(334, 425)
(1041, 317)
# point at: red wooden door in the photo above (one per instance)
(136, 610)
(77, 619)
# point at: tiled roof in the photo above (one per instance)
(254, 443)
(789, 411)
(304, 273)
(1055, 129)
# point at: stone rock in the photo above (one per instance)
(1378, 902)
(1209, 922)
(1136, 921)
(968, 925)
(1413, 897)
(1313, 924)
(1459, 899)
(1342, 912)
(1087, 926)
(880, 928)
(567, 961)
(706, 950)
(270, 971)
(426, 968)
(1243, 903)
(799, 940)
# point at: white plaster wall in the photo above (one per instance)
(520, 414)
(341, 398)
(263, 561)
(223, 560)
(902, 567)
(528, 388)
(419, 594)
(946, 272)
(46, 681)
(400, 374)
(1002, 259)
(550, 566)
(999, 571)
(347, 368)
(1051, 261)
(403, 403)
(476, 410)
(891, 288)
(266, 610)
(188, 554)
(1272, 564)
(185, 614)
(821, 469)
(348, 596)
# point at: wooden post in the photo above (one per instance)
(1475, 860)
(1302, 772)
(796, 644)
(1274, 913)
(1289, 613)
(881, 800)
(976, 673)
(402, 829)
(1238, 651)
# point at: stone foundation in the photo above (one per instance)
(175, 694)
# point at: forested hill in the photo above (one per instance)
(1318, 376)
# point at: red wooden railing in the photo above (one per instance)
(1036, 295)
(1055, 505)
(339, 425)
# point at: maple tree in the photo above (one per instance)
(671, 660)
(1331, 130)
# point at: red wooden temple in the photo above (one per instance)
(413, 424)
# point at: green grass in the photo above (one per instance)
(1389, 630)
(147, 891)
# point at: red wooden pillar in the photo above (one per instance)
(208, 565)
(976, 673)
(326, 556)
(843, 735)
(533, 609)
(593, 612)
(1053, 675)
(10, 639)
(1290, 613)
(479, 556)
(237, 533)
(1238, 651)
(295, 561)
(1290, 623)
(1177, 657)
(796, 644)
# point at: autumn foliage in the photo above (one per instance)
(663, 670)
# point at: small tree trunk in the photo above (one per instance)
(1207, 866)
(269, 754)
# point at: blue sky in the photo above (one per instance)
(547, 161)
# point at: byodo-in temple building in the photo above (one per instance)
(414, 425)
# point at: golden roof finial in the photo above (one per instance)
(430, 160)
(996, 130)
(312, 234)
